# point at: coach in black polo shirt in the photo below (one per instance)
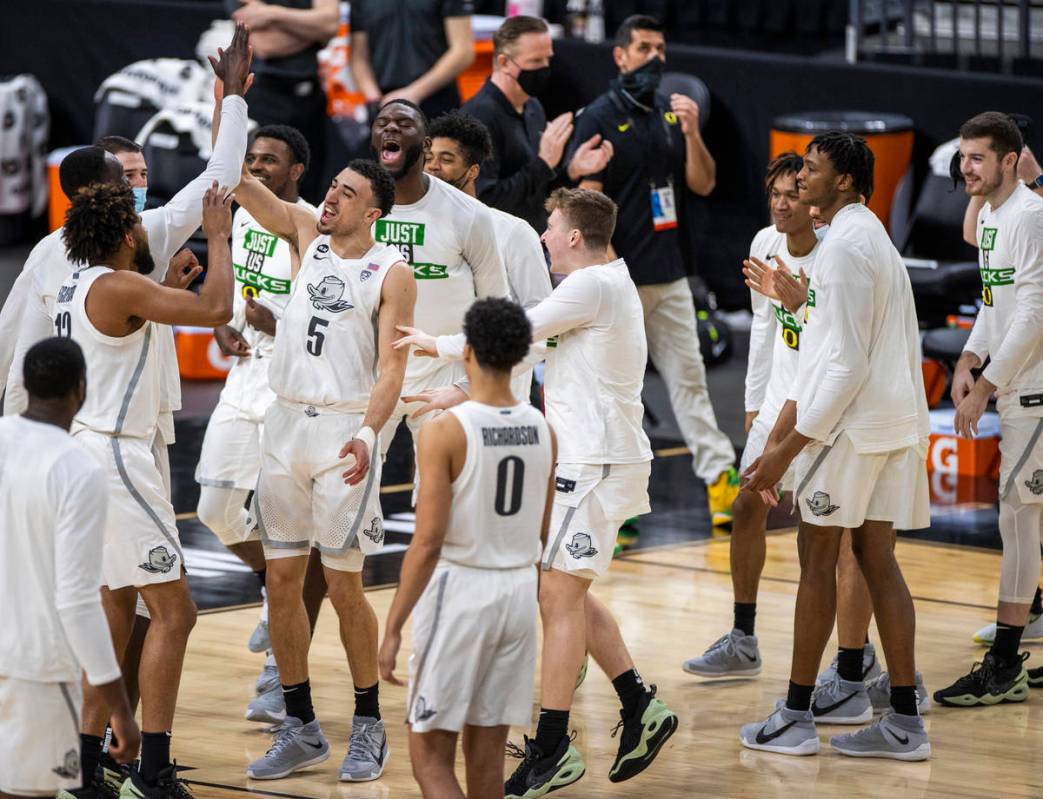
(658, 154)
(526, 150)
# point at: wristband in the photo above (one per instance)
(368, 437)
(1037, 183)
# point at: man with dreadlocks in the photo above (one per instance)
(855, 427)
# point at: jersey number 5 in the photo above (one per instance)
(316, 338)
(63, 324)
(510, 477)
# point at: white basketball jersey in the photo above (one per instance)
(123, 374)
(499, 497)
(262, 265)
(326, 347)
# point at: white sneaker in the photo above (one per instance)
(1033, 631)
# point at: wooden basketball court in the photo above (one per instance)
(671, 603)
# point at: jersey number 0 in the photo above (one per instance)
(510, 477)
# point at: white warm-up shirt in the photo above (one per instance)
(448, 238)
(860, 362)
(30, 307)
(775, 334)
(53, 499)
(1009, 327)
(595, 369)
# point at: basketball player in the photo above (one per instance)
(336, 379)
(460, 144)
(446, 236)
(230, 458)
(109, 307)
(53, 502)
(1008, 332)
(858, 429)
(468, 578)
(593, 396)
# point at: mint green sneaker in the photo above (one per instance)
(643, 736)
(539, 774)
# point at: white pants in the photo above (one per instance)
(1021, 507)
(673, 346)
(40, 735)
(474, 649)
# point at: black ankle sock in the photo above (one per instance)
(155, 755)
(745, 612)
(629, 688)
(298, 701)
(799, 696)
(1008, 639)
(261, 575)
(903, 700)
(849, 664)
(1037, 604)
(90, 756)
(367, 701)
(550, 729)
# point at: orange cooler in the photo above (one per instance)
(57, 202)
(198, 356)
(963, 471)
(889, 136)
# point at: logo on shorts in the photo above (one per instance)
(159, 561)
(327, 295)
(820, 505)
(375, 530)
(70, 769)
(564, 485)
(422, 712)
(1035, 485)
(579, 546)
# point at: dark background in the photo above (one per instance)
(72, 45)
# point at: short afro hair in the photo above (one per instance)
(467, 131)
(100, 216)
(85, 166)
(380, 182)
(789, 163)
(424, 121)
(499, 332)
(291, 137)
(850, 155)
(53, 368)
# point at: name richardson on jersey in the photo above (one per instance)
(519, 436)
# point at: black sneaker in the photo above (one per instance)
(105, 785)
(644, 734)
(988, 683)
(539, 774)
(167, 786)
(1035, 677)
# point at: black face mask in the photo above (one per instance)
(534, 82)
(641, 84)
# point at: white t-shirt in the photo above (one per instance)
(775, 334)
(1009, 327)
(499, 496)
(53, 498)
(30, 309)
(326, 350)
(448, 238)
(262, 265)
(860, 367)
(527, 274)
(123, 372)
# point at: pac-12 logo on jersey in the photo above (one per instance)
(326, 296)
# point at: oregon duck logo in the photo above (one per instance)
(422, 711)
(159, 561)
(375, 530)
(579, 546)
(819, 504)
(70, 768)
(1035, 485)
(327, 295)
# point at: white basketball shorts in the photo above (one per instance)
(756, 440)
(40, 730)
(231, 452)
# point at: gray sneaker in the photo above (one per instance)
(732, 655)
(895, 736)
(870, 667)
(367, 751)
(268, 708)
(879, 691)
(786, 732)
(267, 679)
(260, 640)
(841, 702)
(296, 746)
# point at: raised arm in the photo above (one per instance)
(286, 220)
